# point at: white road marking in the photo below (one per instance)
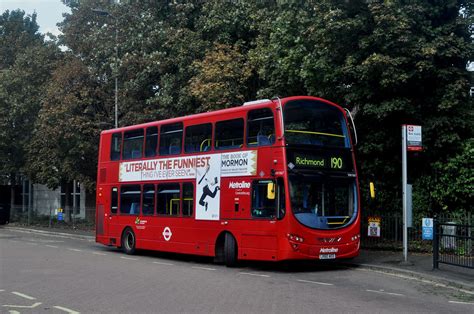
(14, 312)
(75, 250)
(98, 253)
(23, 295)
(459, 302)
(129, 258)
(161, 263)
(204, 268)
(1, 290)
(31, 243)
(23, 306)
(53, 246)
(65, 309)
(317, 282)
(383, 292)
(252, 274)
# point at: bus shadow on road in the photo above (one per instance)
(297, 266)
(291, 266)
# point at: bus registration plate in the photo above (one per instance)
(327, 256)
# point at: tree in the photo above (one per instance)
(17, 32)
(65, 141)
(25, 66)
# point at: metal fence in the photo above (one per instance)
(391, 232)
(453, 244)
(76, 218)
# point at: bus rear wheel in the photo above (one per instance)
(230, 250)
(128, 241)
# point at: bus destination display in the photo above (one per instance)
(337, 160)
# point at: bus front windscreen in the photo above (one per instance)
(310, 122)
(322, 202)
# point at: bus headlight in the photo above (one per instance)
(295, 238)
(356, 237)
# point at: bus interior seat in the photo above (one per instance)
(134, 208)
(136, 154)
(262, 140)
(190, 148)
(175, 150)
(271, 138)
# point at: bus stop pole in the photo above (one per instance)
(404, 193)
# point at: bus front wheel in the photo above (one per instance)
(128, 241)
(230, 250)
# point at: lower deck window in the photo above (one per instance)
(168, 199)
(130, 199)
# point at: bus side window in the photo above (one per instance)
(171, 137)
(262, 207)
(130, 199)
(115, 146)
(260, 127)
(229, 134)
(281, 198)
(114, 201)
(151, 141)
(168, 199)
(198, 138)
(188, 199)
(148, 199)
(133, 144)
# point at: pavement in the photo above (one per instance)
(419, 265)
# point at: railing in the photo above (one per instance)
(453, 244)
(77, 218)
(391, 232)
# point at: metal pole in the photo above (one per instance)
(435, 243)
(116, 74)
(404, 187)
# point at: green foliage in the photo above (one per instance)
(17, 32)
(26, 62)
(453, 186)
(65, 140)
(390, 62)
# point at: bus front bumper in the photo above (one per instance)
(321, 251)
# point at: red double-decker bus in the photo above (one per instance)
(269, 180)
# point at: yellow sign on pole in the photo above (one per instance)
(374, 227)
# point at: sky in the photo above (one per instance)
(49, 12)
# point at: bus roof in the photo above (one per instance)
(262, 103)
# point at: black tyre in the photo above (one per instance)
(128, 241)
(230, 250)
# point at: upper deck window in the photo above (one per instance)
(151, 141)
(133, 144)
(198, 138)
(171, 138)
(260, 127)
(115, 146)
(312, 122)
(229, 134)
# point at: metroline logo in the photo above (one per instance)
(329, 250)
(239, 185)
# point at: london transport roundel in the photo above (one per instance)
(167, 233)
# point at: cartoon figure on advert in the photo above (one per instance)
(206, 191)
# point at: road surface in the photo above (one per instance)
(53, 274)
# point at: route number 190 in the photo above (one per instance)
(336, 163)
